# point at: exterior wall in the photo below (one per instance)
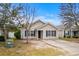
(72, 33)
(33, 37)
(0, 32)
(23, 35)
(36, 26)
(49, 37)
(48, 27)
(60, 33)
(11, 35)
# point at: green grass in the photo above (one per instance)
(22, 49)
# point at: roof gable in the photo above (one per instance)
(38, 21)
(37, 24)
(48, 25)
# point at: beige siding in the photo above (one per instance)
(23, 34)
(42, 26)
(48, 27)
(60, 33)
(0, 32)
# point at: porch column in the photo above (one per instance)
(36, 34)
(71, 32)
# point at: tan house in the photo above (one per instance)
(41, 30)
(72, 31)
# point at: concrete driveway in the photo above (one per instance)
(70, 47)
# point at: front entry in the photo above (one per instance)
(40, 34)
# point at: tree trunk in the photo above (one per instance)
(27, 37)
(5, 33)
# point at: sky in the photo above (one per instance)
(47, 12)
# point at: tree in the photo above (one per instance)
(29, 16)
(8, 14)
(69, 13)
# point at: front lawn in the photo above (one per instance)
(22, 49)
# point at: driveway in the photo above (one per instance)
(39, 44)
(70, 47)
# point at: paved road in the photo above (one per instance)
(70, 47)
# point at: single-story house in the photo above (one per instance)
(41, 30)
(73, 31)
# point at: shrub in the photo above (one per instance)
(14, 39)
(68, 36)
(17, 34)
(2, 38)
(75, 36)
(64, 36)
(60, 37)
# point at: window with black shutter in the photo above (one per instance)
(50, 33)
(47, 33)
(27, 33)
(32, 33)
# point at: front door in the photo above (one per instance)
(40, 34)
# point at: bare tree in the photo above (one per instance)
(29, 16)
(69, 13)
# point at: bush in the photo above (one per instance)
(75, 36)
(14, 39)
(67, 36)
(2, 38)
(60, 37)
(17, 34)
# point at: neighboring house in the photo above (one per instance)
(72, 31)
(10, 34)
(1, 32)
(41, 30)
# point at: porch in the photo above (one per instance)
(72, 33)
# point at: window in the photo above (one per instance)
(32, 33)
(26, 33)
(53, 33)
(47, 33)
(66, 32)
(50, 33)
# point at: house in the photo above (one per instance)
(9, 34)
(0, 32)
(73, 31)
(41, 30)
